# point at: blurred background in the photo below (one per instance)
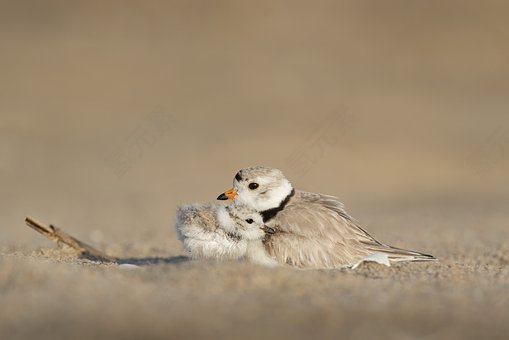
(115, 112)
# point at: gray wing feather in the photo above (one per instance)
(315, 231)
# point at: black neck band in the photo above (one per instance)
(270, 213)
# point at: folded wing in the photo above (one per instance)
(314, 231)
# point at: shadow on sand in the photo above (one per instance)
(147, 261)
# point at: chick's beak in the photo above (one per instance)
(228, 195)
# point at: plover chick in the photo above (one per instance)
(213, 231)
(307, 230)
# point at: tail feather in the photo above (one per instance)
(402, 255)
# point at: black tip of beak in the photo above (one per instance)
(222, 197)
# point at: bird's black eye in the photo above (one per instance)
(238, 177)
(249, 220)
(253, 185)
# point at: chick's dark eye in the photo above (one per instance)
(249, 220)
(253, 185)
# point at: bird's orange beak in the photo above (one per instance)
(228, 195)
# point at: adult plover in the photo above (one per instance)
(307, 230)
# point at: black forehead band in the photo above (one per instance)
(238, 177)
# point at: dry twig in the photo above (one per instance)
(57, 235)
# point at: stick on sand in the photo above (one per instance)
(57, 235)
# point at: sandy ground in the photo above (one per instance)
(112, 114)
(48, 294)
